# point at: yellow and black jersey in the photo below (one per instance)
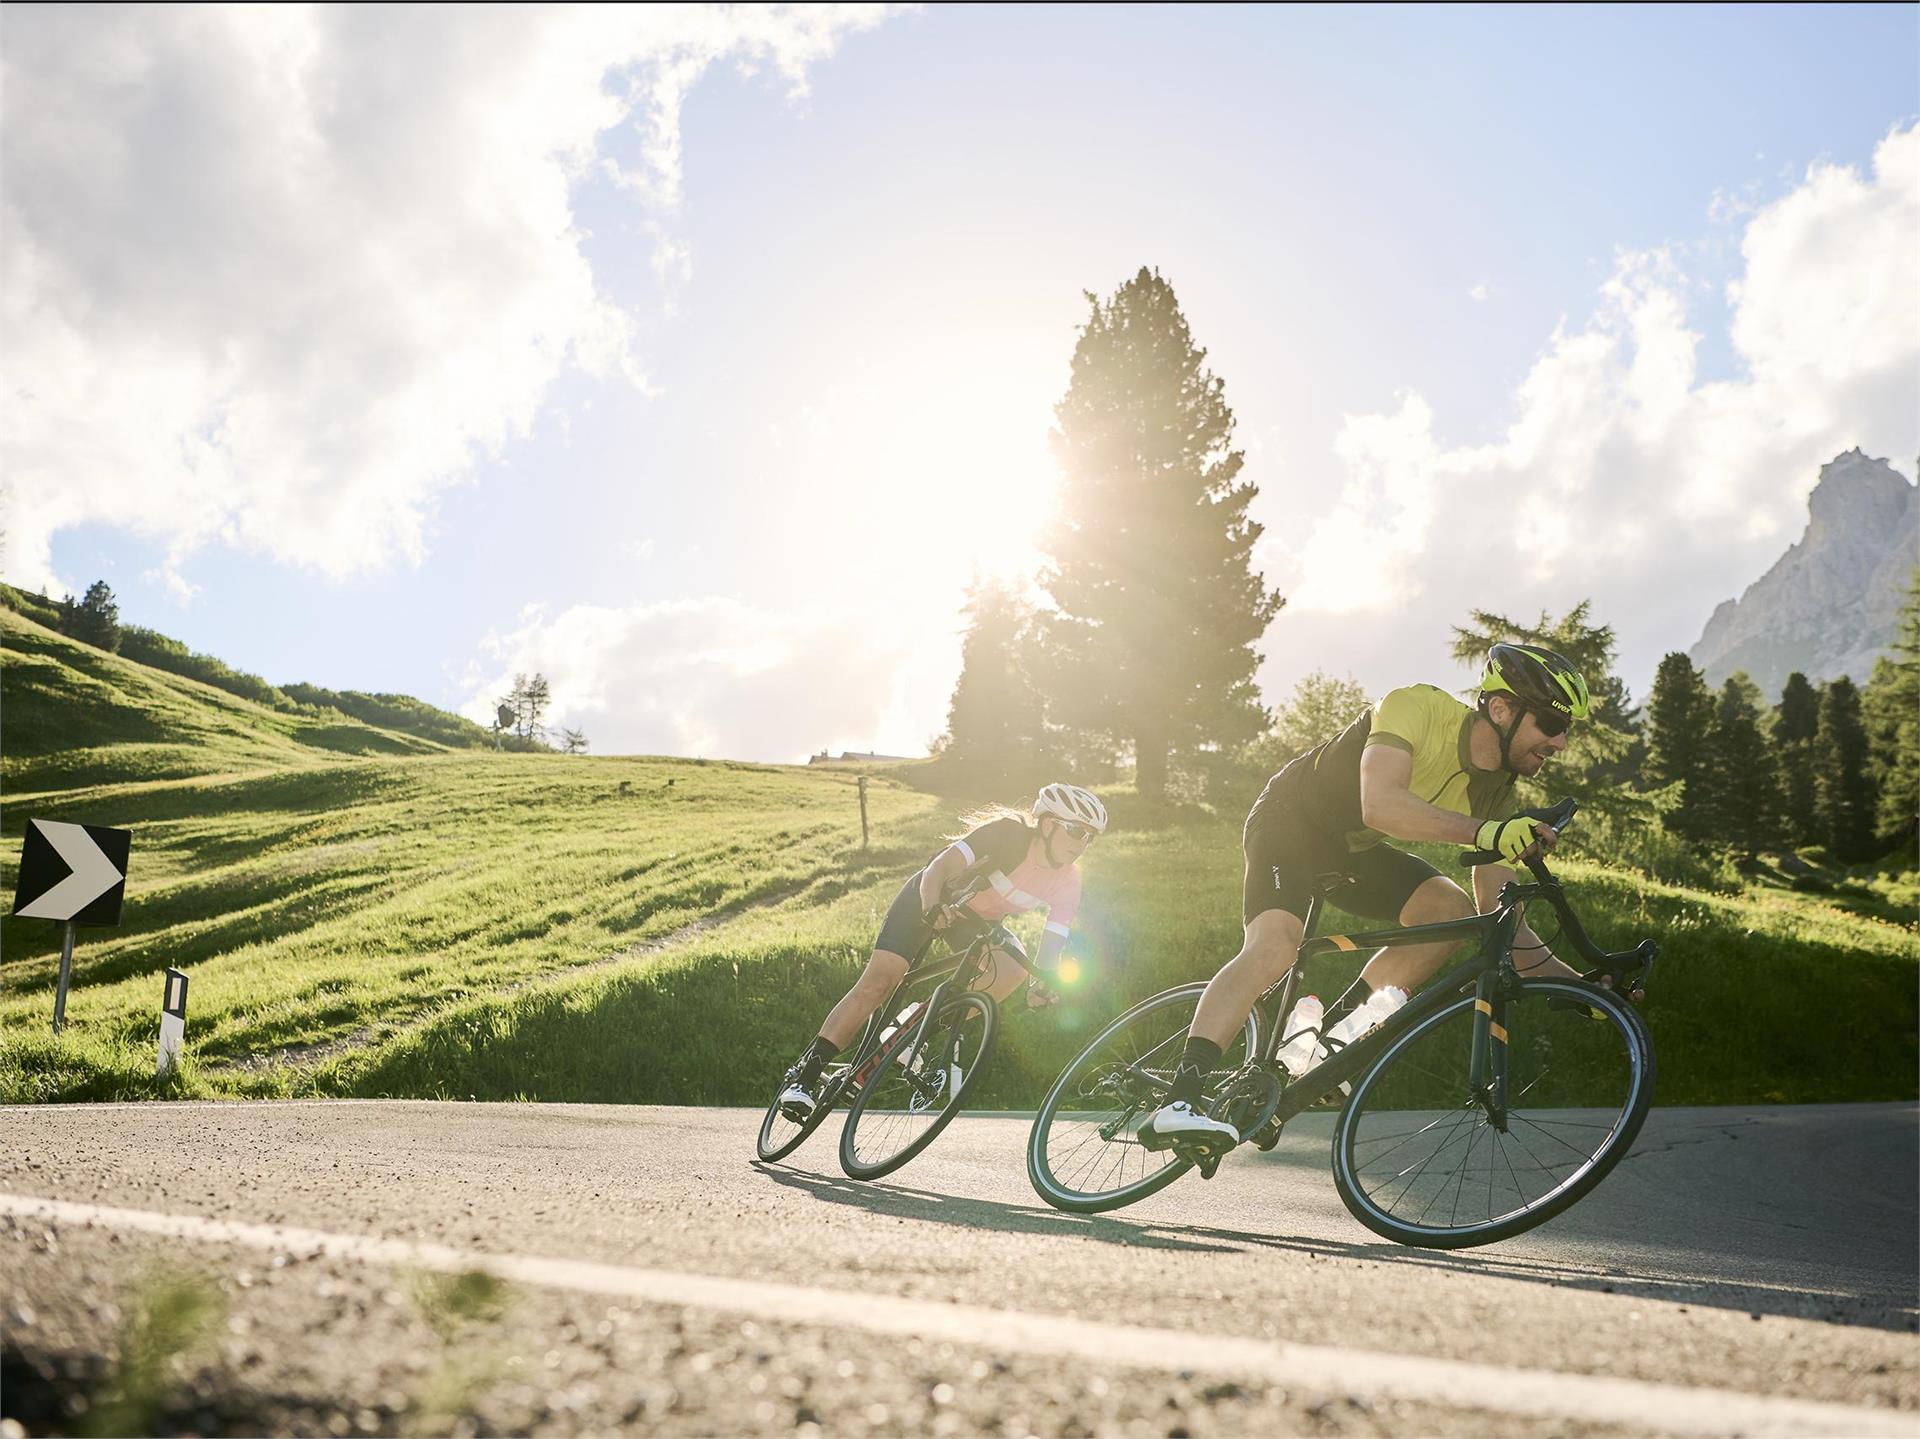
(1323, 785)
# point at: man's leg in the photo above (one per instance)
(1267, 952)
(1438, 900)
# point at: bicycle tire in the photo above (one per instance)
(891, 1078)
(1609, 1091)
(1071, 1193)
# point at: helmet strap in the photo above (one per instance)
(1506, 734)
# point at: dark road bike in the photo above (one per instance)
(1485, 1105)
(905, 1082)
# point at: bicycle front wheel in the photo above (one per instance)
(914, 1092)
(1082, 1153)
(780, 1136)
(1416, 1157)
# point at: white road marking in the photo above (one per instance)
(1531, 1393)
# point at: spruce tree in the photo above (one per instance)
(995, 723)
(1150, 562)
(1891, 711)
(94, 619)
(1738, 802)
(1679, 714)
(1843, 791)
(1795, 724)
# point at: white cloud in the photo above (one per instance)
(719, 678)
(1480, 292)
(1623, 476)
(274, 276)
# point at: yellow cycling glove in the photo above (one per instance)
(1508, 838)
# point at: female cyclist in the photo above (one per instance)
(1010, 864)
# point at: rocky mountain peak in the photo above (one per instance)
(1829, 605)
(1856, 494)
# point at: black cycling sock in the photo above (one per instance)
(1357, 994)
(1196, 1063)
(816, 1056)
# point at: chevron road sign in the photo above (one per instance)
(73, 874)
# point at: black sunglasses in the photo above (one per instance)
(1552, 723)
(1076, 831)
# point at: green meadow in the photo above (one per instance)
(364, 911)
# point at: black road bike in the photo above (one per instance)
(1485, 1105)
(906, 1080)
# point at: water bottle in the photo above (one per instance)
(1303, 1049)
(1381, 1003)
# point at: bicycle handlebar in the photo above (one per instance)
(1617, 965)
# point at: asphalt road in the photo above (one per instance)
(1743, 1272)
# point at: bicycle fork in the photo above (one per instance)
(1487, 1071)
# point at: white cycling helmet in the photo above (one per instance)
(1071, 803)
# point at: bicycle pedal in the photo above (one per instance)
(1207, 1161)
(1265, 1137)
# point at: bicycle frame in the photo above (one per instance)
(1490, 972)
(961, 968)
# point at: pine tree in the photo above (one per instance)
(995, 723)
(1843, 790)
(1738, 801)
(1891, 711)
(1795, 724)
(1159, 607)
(1679, 714)
(95, 619)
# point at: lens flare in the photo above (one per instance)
(1069, 971)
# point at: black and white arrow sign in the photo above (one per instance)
(74, 872)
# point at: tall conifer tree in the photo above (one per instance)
(1891, 711)
(1738, 802)
(995, 721)
(1795, 724)
(1150, 562)
(1843, 789)
(1678, 716)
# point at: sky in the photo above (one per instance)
(699, 358)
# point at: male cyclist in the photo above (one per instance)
(1008, 862)
(1420, 766)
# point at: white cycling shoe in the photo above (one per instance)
(1179, 1122)
(796, 1103)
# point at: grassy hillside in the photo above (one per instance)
(365, 913)
(150, 650)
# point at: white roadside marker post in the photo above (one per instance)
(173, 1022)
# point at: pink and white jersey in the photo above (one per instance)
(999, 853)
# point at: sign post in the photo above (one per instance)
(74, 874)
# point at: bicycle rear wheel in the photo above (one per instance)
(1082, 1154)
(914, 1093)
(1416, 1158)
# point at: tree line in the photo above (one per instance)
(94, 619)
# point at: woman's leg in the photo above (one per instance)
(879, 979)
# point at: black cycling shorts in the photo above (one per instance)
(1289, 856)
(905, 930)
